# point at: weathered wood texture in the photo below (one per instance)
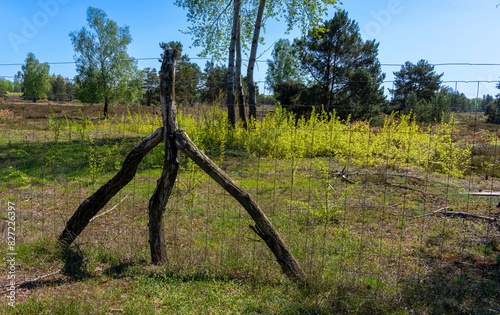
(91, 206)
(484, 193)
(466, 215)
(237, 74)
(230, 70)
(263, 227)
(165, 184)
(252, 87)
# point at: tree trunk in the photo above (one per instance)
(158, 201)
(106, 108)
(230, 69)
(239, 86)
(252, 94)
(263, 228)
(91, 206)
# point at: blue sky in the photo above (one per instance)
(440, 31)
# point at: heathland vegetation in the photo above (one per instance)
(371, 194)
(355, 204)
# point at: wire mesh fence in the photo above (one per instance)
(381, 209)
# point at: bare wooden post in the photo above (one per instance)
(91, 206)
(230, 72)
(252, 86)
(174, 139)
(158, 201)
(263, 228)
(239, 86)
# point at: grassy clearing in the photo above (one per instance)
(367, 247)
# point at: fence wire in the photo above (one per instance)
(381, 207)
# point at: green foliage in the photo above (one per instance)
(215, 82)
(285, 76)
(458, 101)
(345, 68)
(320, 208)
(263, 99)
(151, 86)
(285, 66)
(211, 24)
(35, 78)
(188, 76)
(484, 102)
(492, 109)
(192, 182)
(3, 90)
(55, 124)
(211, 21)
(18, 177)
(281, 135)
(105, 71)
(61, 89)
(492, 112)
(420, 80)
(212, 131)
(9, 86)
(436, 109)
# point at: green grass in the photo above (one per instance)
(367, 248)
(167, 293)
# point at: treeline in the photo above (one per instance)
(35, 82)
(331, 68)
(8, 86)
(335, 69)
(193, 85)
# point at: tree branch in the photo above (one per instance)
(263, 227)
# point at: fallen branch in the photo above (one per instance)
(347, 180)
(464, 215)
(19, 284)
(23, 283)
(484, 193)
(344, 177)
(431, 213)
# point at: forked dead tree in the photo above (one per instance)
(175, 139)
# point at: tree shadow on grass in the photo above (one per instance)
(74, 269)
(74, 264)
(450, 289)
(445, 289)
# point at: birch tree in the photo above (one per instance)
(213, 22)
(35, 78)
(105, 71)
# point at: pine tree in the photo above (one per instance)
(420, 80)
(345, 68)
(492, 111)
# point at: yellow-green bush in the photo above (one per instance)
(398, 142)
